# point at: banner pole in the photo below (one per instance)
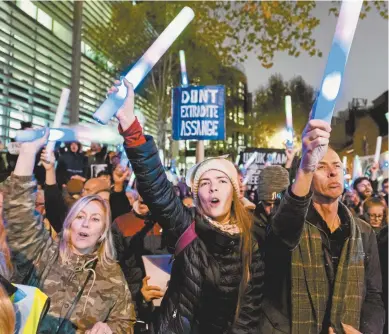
(199, 151)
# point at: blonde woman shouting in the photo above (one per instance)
(87, 290)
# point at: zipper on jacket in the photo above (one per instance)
(175, 313)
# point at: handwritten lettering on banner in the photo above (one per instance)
(265, 156)
(199, 113)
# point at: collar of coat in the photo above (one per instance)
(311, 296)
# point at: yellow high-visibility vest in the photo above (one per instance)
(31, 305)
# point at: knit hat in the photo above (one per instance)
(272, 181)
(74, 186)
(220, 164)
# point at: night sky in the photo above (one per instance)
(366, 74)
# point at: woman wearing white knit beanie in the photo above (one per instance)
(217, 275)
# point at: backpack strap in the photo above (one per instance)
(186, 239)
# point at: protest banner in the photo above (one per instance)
(263, 157)
(199, 113)
(159, 268)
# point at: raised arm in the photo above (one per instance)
(55, 206)
(152, 183)
(288, 222)
(27, 237)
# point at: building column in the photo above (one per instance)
(76, 62)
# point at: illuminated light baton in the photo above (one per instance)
(357, 168)
(184, 74)
(337, 59)
(289, 121)
(237, 159)
(345, 164)
(132, 180)
(251, 160)
(80, 132)
(61, 109)
(144, 65)
(378, 149)
(249, 174)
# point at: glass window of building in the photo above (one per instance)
(28, 7)
(45, 19)
(64, 34)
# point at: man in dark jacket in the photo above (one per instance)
(325, 275)
(71, 163)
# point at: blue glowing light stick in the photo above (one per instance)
(289, 121)
(81, 132)
(337, 59)
(184, 75)
(144, 65)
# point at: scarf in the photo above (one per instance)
(310, 285)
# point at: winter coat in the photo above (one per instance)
(382, 240)
(202, 295)
(35, 255)
(283, 239)
(70, 164)
(56, 211)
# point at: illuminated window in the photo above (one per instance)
(63, 33)
(28, 7)
(14, 124)
(45, 19)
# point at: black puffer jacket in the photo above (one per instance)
(203, 290)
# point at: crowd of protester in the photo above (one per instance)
(300, 254)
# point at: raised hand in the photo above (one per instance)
(125, 114)
(48, 161)
(150, 292)
(33, 147)
(120, 174)
(290, 154)
(315, 144)
(28, 150)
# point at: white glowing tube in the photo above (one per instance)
(345, 163)
(378, 149)
(357, 168)
(80, 132)
(237, 159)
(289, 121)
(251, 160)
(184, 74)
(337, 59)
(249, 174)
(61, 109)
(143, 66)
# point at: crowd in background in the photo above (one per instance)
(79, 238)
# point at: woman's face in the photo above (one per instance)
(74, 147)
(215, 195)
(87, 228)
(376, 215)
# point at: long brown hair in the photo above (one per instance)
(7, 313)
(6, 267)
(244, 219)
